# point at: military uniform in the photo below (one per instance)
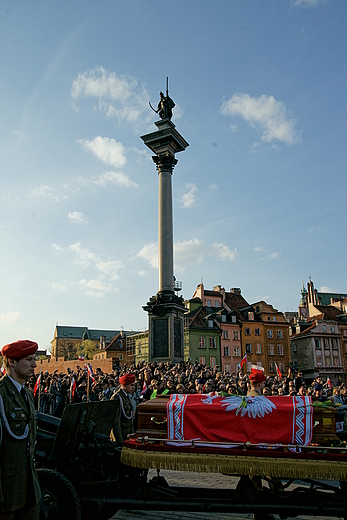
(253, 392)
(19, 485)
(123, 423)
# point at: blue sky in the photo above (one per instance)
(259, 195)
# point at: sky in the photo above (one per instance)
(259, 195)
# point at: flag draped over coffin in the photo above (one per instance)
(258, 420)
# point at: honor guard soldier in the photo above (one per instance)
(19, 486)
(256, 379)
(123, 424)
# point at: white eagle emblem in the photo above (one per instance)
(256, 406)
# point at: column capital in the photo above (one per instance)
(165, 161)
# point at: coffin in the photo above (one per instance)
(152, 422)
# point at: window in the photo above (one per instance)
(332, 329)
(120, 357)
(272, 366)
(326, 344)
(335, 344)
(279, 334)
(258, 348)
(259, 364)
(237, 352)
(236, 368)
(324, 329)
(213, 362)
(336, 362)
(249, 366)
(271, 350)
(257, 331)
(269, 333)
(274, 318)
(209, 303)
(269, 318)
(319, 361)
(224, 318)
(317, 343)
(225, 334)
(280, 350)
(201, 342)
(248, 348)
(226, 351)
(247, 331)
(281, 367)
(213, 342)
(233, 319)
(227, 368)
(295, 348)
(327, 362)
(236, 334)
(210, 323)
(251, 316)
(216, 304)
(140, 349)
(202, 360)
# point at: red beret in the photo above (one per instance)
(20, 349)
(127, 379)
(257, 376)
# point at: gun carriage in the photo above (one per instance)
(81, 471)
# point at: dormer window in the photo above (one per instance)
(210, 323)
(224, 318)
(251, 316)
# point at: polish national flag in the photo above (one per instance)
(243, 360)
(2, 370)
(330, 385)
(37, 385)
(144, 388)
(72, 388)
(279, 373)
(90, 372)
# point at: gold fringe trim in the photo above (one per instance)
(239, 465)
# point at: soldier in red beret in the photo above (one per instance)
(123, 424)
(19, 486)
(256, 379)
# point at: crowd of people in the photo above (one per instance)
(53, 391)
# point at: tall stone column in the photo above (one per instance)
(165, 309)
(165, 165)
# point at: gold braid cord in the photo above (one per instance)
(239, 465)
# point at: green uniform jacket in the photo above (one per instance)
(122, 424)
(19, 485)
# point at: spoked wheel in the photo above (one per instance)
(59, 498)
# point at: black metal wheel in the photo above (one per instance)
(59, 498)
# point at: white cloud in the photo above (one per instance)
(326, 289)
(95, 287)
(118, 178)
(265, 114)
(223, 252)
(213, 187)
(118, 96)
(108, 150)
(189, 252)
(9, 317)
(108, 269)
(77, 217)
(149, 252)
(270, 255)
(58, 286)
(188, 199)
(45, 192)
(306, 3)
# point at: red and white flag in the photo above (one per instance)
(81, 358)
(243, 361)
(37, 384)
(72, 389)
(329, 383)
(2, 370)
(279, 373)
(144, 388)
(90, 372)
